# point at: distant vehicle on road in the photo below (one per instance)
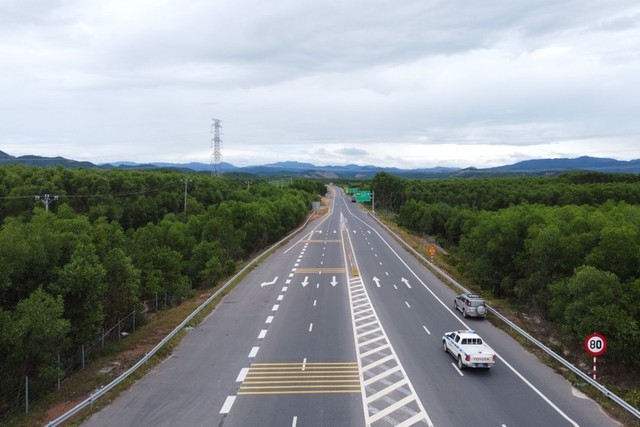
(468, 349)
(471, 305)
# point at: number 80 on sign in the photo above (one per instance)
(595, 344)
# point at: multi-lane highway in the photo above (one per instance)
(342, 327)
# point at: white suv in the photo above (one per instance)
(471, 305)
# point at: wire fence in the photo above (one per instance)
(20, 399)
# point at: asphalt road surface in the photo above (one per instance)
(343, 327)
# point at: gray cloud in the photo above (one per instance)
(321, 82)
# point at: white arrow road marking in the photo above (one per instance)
(406, 282)
(305, 282)
(334, 282)
(375, 279)
(263, 284)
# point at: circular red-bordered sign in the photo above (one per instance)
(595, 344)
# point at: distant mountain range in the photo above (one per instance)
(544, 167)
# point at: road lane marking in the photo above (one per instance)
(242, 375)
(426, 330)
(310, 327)
(253, 352)
(294, 422)
(284, 288)
(314, 302)
(407, 304)
(456, 368)
(527, 382)
(262, 334)
(228, 403)
(301, 378)
(380, 366)
(280, 297)
(275, 307)
(269, 319)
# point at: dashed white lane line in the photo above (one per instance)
(407, 304)
(314, 302)
(226, 407)
(456, 368)
(288, 281)
(262, 334)
(254, 351)
(284, 288)
(294, 423)
(280, 297)
(242, 375)
(269, 319)
(275, 307)
(395, 287)
(310, 327)
(426, 330)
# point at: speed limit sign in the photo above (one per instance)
(595, 344)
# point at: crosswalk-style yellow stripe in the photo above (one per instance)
(301, 378)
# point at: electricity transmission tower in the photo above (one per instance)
(216, 143)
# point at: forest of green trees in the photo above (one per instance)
(109, 239)
(565, 248)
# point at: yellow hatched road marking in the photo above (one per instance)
(301, 391)
(301, 378)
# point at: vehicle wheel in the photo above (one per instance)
(444, 345)
(460, 365)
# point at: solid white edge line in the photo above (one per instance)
(358, 345)
(558, 410)
(228, 403)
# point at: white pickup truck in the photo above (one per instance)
(469, 349)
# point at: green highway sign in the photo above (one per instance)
(363, 196)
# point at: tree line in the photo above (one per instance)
(566, 248)
(112, 239)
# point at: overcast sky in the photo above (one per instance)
(384, 82)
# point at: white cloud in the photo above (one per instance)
(393, 84)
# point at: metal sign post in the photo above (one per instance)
(595, 344)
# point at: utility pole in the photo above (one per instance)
(216, 144)
(186, 182)
(47, 199)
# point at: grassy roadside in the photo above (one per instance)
(616, 382)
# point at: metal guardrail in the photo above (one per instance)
(105, 389)
(624, 404)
